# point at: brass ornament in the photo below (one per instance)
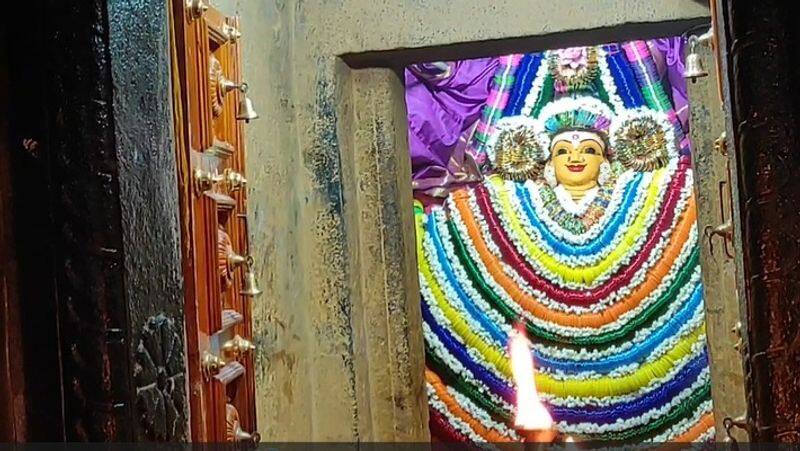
(233, 427)
(231, 422)
(584, 75)
(693, 69)
(518, 154)
(237, 346)
(196, 8)
(210, 364)
(245, 112)
(250, 288)
(224, 252)
(215, 86)
(641, 144)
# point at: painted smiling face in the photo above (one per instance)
(576, 156)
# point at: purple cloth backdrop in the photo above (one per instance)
(444, 104)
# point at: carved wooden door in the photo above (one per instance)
(209, 127)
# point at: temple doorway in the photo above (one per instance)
(578, 197)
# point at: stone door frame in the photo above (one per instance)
(344, 354)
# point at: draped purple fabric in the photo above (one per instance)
(668, 55)
(444, 103)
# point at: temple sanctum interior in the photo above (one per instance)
(554, 191)
(442, 225)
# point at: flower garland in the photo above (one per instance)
(535, 302)
(609, 291)
(573, 69)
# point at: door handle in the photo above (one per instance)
(729, 423)
(725, 228)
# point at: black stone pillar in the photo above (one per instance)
(115, 215)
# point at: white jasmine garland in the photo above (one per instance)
(481, 415)
(678, 365)
(442, 320)
(509, 222)
(683, 425)
(455, 421)
(614, 205)
(439, 349)
(451, 297)
(569, 331)
(652, 259)
(686, 251)
(685, 292)
(639, 336)
(478, 358)
(608, 81)
(663, 347)
(461, 274)
(524, 221)
(536, 87)
(523, 284)
(539, 205)
(683, 296)
(647, 417)
(534, 192)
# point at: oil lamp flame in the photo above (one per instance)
(531, 414)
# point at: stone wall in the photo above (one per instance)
(340, 353)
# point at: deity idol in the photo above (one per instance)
(584, 230)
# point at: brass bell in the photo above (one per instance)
(242, 436)
(250, 286)
(246, 111)
(694, 64)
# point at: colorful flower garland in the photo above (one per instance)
(610, 294)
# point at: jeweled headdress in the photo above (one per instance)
(639, 139)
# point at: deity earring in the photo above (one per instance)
(605, 173)
(549, 175)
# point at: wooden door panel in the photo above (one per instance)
(216, 244)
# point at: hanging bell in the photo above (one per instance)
(250, 288)
(246, 111)
(694, 64)
(242, 436)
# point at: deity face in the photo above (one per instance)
(576, 157)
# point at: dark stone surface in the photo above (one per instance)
(88, 222)
(37, 342)
(160, 381)
(140, 69)
(117, 258)
(763, 44)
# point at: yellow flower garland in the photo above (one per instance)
(582, 274)
(600, 387)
